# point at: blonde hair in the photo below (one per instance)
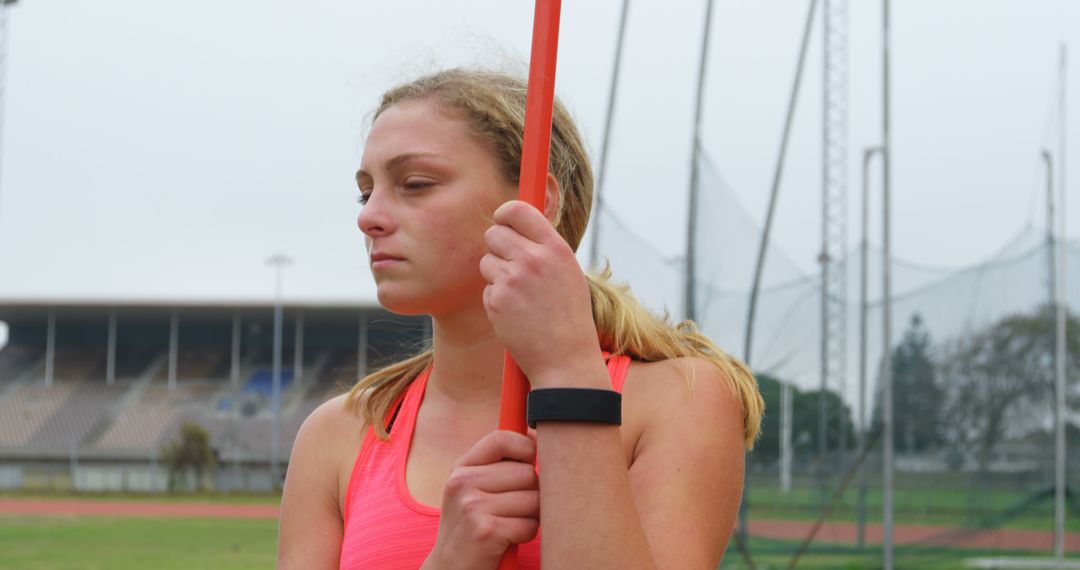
(492, 104)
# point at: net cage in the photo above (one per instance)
(973, 376)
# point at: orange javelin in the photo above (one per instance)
(532, 183)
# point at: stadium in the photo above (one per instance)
(92, 393)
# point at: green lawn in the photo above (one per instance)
(92, 543)
(89, 543)
(772, 554)
(935, 503)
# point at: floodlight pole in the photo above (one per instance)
(1051, 294)
(601, 171)
(689, 293)
(886, 376)
(279, 262)
(864, 273)
(1059, 348)
(3, 68)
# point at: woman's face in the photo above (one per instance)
(429, 190)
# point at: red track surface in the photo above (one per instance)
(846, 533)
(834, 533)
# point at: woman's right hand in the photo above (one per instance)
(491, 500)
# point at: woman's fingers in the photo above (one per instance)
(500, 477)
(498, 446)
(492, 267)
(518, 529)
(504, 241)
(526, 220)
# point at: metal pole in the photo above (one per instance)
(1059, 349)
(1050, 291)
(785, 437)
(823, 447)
(864, 259)
(110, 357)
(278, 261)
(778, 172)
(886, 376)
(50, 347)
(361, 348)
(3, 68)
(689, 300)
(174, 333)
(298, 349)
(608, 120)
(234, 373)
(824, 260)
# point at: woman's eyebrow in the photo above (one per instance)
(403, 159)
(400, 161)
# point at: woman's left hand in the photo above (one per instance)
(537, 297)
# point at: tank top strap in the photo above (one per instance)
(403, 411)
(407, 412)
(617, 366)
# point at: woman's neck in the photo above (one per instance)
(468, 358)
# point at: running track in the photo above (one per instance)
(834, 533)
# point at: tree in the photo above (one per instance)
(190, 453)
(767, 448)
(1000, 382)
(806, 409)
(804, 429)
(917, 398)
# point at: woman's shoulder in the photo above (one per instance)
(335, 428)
(335, 418)
(682, 390)
(329, 440)
(685, 374)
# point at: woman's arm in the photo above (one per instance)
(676, 504)
(310, 526)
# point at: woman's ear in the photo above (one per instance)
(552, 200)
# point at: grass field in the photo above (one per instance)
(935, 503)
(121, 543)
(771, 555)
(100, 543)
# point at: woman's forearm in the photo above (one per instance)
(587, 514)
(588, 518)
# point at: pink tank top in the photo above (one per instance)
(385, 528)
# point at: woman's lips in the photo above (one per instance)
(384, 260)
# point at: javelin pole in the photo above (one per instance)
(532, 184)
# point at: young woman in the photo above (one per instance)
(408, 471)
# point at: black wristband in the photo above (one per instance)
(574, 405)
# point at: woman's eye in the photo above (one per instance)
(363, 197)
(413, 184)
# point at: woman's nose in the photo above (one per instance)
(374, 218)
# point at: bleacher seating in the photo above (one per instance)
(140, 414)
(17, 360)
(261, 383)
(72, 421)
(147, 422)
(28, 408)
(198, 363)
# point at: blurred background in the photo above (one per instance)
(182, 280)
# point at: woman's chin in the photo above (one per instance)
(401, 304)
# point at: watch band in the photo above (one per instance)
(574, 405)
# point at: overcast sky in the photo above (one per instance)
(163, 150)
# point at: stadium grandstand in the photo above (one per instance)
(90, 393)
